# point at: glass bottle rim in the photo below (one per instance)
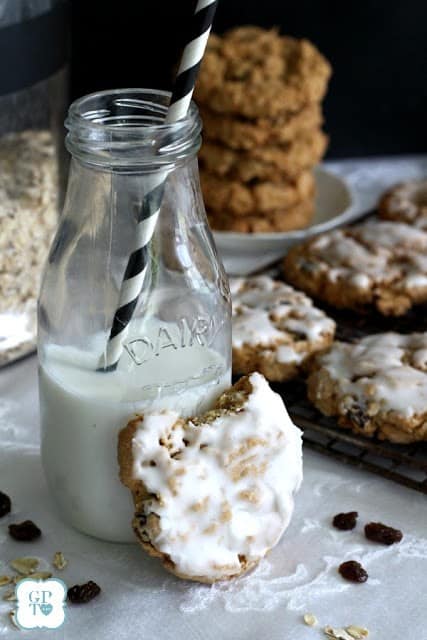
(125, 128)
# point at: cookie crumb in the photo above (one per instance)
(4, 580)
(10, 595)
(310, 619)
(59, 561)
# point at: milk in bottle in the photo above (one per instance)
(176, 351)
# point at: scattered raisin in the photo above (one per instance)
(24, 531)
(379, 532)
(353, 571)
(345, 521)
(5, 504)
(82, 593)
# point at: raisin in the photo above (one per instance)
(353, 571)
(82, 593)
(357, 416)
(345, 521)
(5, 504)
(25, 531)
(379, 532)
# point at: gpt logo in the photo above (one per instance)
(40, 603)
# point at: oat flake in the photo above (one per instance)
(59, 561)
(357, 632)
(310, 619)
(25, 566)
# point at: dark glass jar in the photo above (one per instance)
(33, 100)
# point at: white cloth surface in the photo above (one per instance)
(140, 600)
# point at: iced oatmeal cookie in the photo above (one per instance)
(275, 328)
(376, 386)
(213, 494)
(256, 73)
(406, 202)
(380, 265)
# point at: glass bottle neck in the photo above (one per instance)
(124, 131)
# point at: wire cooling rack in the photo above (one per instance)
(405, 464)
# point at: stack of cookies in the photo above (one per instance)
(260, 96)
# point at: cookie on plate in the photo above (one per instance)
(297, 216)
(256, 73)
(276, 329)
(222, 194)
(243, 134)
(380, 265)
(271, 163)
(376, 386)
(406, 202)
(213, 494)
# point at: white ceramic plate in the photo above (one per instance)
(244, 253)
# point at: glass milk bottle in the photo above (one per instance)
(176, 350)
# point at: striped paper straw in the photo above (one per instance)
(134, 275)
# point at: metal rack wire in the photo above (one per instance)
(404, 464)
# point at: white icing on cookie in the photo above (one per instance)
(229, 491)
(268, 313)
(372, 253)
(388, 370)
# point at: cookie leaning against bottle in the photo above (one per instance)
(214, 493)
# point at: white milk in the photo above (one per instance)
(82, 412)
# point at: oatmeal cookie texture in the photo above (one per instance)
(275, 328)
(274, 163)
(376, 386)
(243, 200)
(28, 210)
(296, 216)
(379, 265)
(213, 494)
(243, 134)
(406, 202)
(256, 73)
(259, 95)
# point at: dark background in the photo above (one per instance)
(377, 100)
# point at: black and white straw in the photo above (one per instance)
(134, 275)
